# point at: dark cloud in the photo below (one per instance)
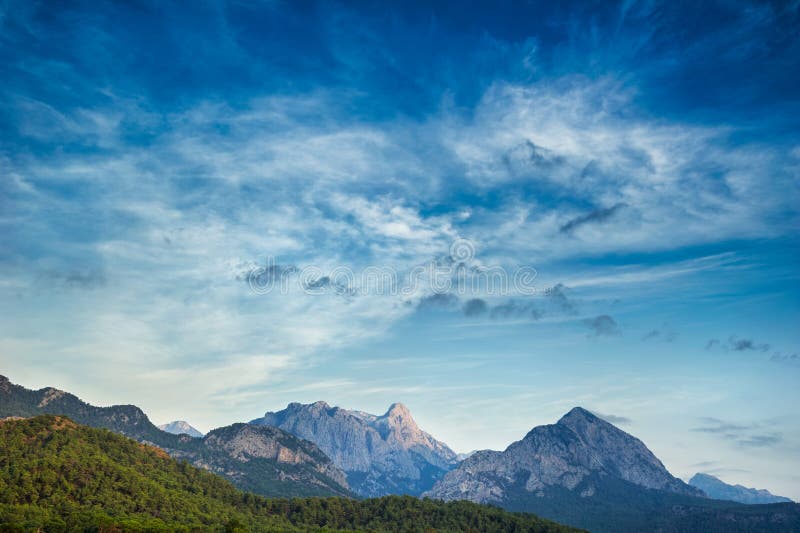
(602, 326)
(85, 280)
(514, 309)
(528, 158)
(704, 464)
(664, 334)
(479, 306)
(594, 217)
(760, 441)
(322, 282)
(75, 279)
(262, 275)
(738, 345)
(653, 334)
(744, 435)
(715, 425)
(743, 345)
(778, 356)
(715, 467)
(475, 307)
(325, 284)
(438, 301)
(614, 419)
(557, 296)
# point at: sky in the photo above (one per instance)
(491, 212)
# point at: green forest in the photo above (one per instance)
(56, 475)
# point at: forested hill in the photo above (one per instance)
(56, 475)
(264, 460)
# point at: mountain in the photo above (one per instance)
(719, 490)
(588, 473)
(180, 427)
(268, 461)
(56, 475)
(566, 454)
(462, 456)
(386, 454)
(126, 420)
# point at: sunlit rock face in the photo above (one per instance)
(386, 454)
(571, 454)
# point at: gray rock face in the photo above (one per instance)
(719, 490)
(238, 450)
(578, 448)
(381, 455)
(180, 427)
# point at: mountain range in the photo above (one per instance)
(582, 470)
(386, 454)
(715, 488)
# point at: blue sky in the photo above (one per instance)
(643, 158)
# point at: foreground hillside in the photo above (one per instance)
(56, 475)
(267, 461)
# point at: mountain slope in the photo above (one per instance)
(180, 427)
(564, 455)
(586, 472)
(277, 463)
(56, 475)
(387, 454)
(718, 489)
(126, 420)
(59, 473)
(269, 461)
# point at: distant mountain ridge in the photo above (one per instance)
(718, 489)
(586, 472)
(268, 461)
(381, 454)
(180, 427)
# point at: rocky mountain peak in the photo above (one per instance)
(398, 408)
(572, 454)
(590, 427)
(180, 427)
(398, 416)
(384, 454)
(319, 404)
(577, 414)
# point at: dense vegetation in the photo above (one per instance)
(260, 475)
(56, 475)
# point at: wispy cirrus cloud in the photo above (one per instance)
(594, 217)
(751, 435)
